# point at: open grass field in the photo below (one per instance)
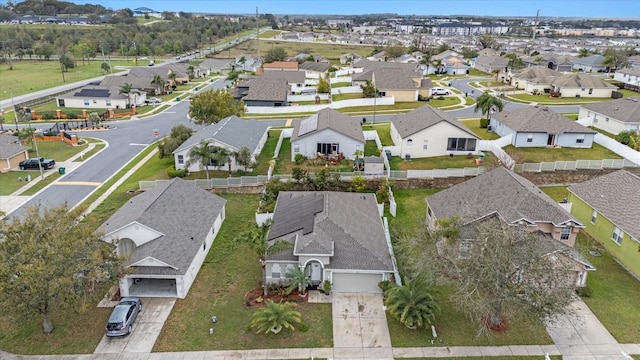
(228, 272)
(329, 51)
(441, 162)
(32, 75)
(537, 155)
(482, 133)
(614, 292)
(269, 34)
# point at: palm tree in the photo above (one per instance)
(203, 154)
(159, 82)
(274, 317)
(584, 52)
(538, 60)
(412, 304)
(256, 239)
(224, 156)
(496, 72)
(28, 136)
(634, 141)
(486, 103)
(190, 72)
(299, 280)
(126, 89)
(172, 77)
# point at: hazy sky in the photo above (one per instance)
(584, 8)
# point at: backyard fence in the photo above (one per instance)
(575, 165)
(495, 146)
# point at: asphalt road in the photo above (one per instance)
(125, 142)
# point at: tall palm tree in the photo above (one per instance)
(191, 72)
(159, 82)
(584, 52)
(202, 153)
(28, 136)
(496, 72)
(224, 156)
(299, 280)
(126, 89)
(486, 102)
(413, 303)
(274, 317)
(256, 239)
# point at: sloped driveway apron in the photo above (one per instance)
(360, 328)
(146, 329)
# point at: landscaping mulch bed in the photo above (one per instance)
(255, 297)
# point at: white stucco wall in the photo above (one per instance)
(94, 103)
(308, 145)
(584, 92)
(607, 123)
(437, 137)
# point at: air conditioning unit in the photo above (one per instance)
(489, 128)
(407, 157)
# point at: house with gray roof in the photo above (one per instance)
(295, 80)
(327, 133)
(164, 235)
(511, 197)
(487, 64)
(231, 133)
(609, 205)
(534, 79)
(581, 85)
(315, 69)
(336, 236)
(402, 83)
(140, 83)
(592, 63)
(427, 132)
(100, 97)
(12, 152)
(629, 76)
(613, 116)
(210, 66)
(539, 126)
(263, 92)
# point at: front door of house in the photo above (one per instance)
(316, 273)
(550, 139)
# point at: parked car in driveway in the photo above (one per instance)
(440, 91)
(154, 101)
(123, 315)
(34, 163)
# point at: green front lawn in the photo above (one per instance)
(557, 193)
(440, 162)
(436, 102)
(546, 99)
(628, 93)
(14, 180)
(550, 154)
(384, 132)
(346, 96)
(269, 34)
(482, 133)
(572, 116)
(614, 292)
(340, 84)
(229, 271)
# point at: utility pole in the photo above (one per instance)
(135, 53)
(535, 25)
(258, 32)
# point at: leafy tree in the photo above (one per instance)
(299, 280)
(487, 41)
(504, 268)
(323, 85)
(393, 51)
(66, 62)
(243, 157)
(413, 304)
(105, 67)
(202, 154)
(256, 239)
(615, 59)
(211, 106)
(469, 53)
(368, 89)
(275, 317)
(515, 62)
(442, 48)
(323, 180)
(94, 117)
(487, 103)
(159, 82)
(179, 134)
(584, 52)
(28, 136)
(275, 54)
(48, 258)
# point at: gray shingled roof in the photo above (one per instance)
(292, 77)
(631, 71)
(348, 221)
(492, 61)
(314, 66)
(181, 211)
(500, 191)
(10, 146)
(616, 196)
(376, 65)
(422, 118)
(539, 119)
(263, 89)
(136, 82)
(150, 71)
(111, 92)
(331, 119)
(593, 60)
(625, 110)
(232, 131)
(537, 74)
(390, 79)
(581, 80)
(216, 64)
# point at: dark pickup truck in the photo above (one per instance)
(33, 164)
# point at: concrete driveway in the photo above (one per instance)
(360, 328)
(146, 329)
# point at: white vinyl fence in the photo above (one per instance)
(390, 100)
(575, 165)
(495, 147)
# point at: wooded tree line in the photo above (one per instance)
(164, 38)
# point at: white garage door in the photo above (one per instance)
(348, 282)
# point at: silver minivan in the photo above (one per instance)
(123, 315)
(440, 91)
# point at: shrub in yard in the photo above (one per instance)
(172, 172)
(484, 123)
(385, 285)
(584, 291)
(48, 116)
(624, 137)
(71, 115)
(303, 327)
(299, 159)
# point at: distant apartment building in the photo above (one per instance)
(334, 23)
(464, 29)
(603, 32)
